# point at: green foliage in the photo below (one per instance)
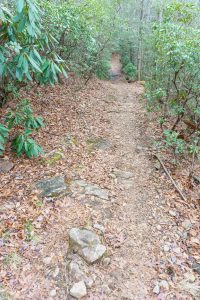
(24, 123)
(83, 31)
(172, 140)
(102, 69)
(25, 52)
(174, 84)
(130, 71)
(23, 117)
(23, 144)
(4, 132)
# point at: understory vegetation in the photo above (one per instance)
(158, 42)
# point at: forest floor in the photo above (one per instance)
(103, 136)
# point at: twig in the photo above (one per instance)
(172, 180)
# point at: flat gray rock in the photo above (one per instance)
(5, 166)
(52, 187)
(98, 143)
(94, 190)
(83, 187)
(87, 244)
(123, 174)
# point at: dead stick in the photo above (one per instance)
(172, 180)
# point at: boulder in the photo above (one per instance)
(52, 187)
(87, 244)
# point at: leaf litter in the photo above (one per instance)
(34, 233)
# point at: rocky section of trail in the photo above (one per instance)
(96, 217)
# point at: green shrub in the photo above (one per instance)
(130, 71)
(102, 69)
(24, 123)
(174, 85)
(25, 53)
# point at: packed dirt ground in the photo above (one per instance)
(104, 137)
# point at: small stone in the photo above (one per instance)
(172, 213)
(187, 224)
(88, 282)
(47, 260)
(5, 166)
(56, 272)
(196, 267)
(164, 284)
(106, 290)
(159, 227)
(166, 248)
(177, 250)
(52, 293)
(190, 277)
(106, 261)
(75, 272)
(157, 165)
(99, 227)
(78, 290)
(156, 289)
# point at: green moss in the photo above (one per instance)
(53, 158)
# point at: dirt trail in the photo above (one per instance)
(136, 227)
(137, 199)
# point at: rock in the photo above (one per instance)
(52, 293)
(87, 244)
(5, 166)
(106, 261)
(75, 271)
(123, 174)
(78, 290)
(47, 260)
(99, 227)
(106, 290)
(157, 165)
(159, 227)
(94, 190)
(196, 267)
(172, 213)
(56, 272)
(190, 277)
(98, 143)
(82, 187)
(187, 225)
(88, 282)
(52, 187)
(156, 289)
(166, 248)
(196, 179)
(164, 284)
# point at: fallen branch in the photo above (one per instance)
(172, 180)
